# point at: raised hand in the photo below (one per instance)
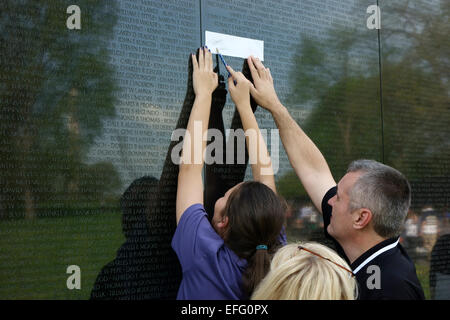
(263, 90)
(239, 88)
(205, 80)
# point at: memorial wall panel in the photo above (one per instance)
(325, 64)
(88, 107)
(314, 50)
(416, 117)
(91, 92)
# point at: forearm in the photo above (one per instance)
(259, 157)
(306, 159)
(302, 152)
(190, 184)
(194, 145)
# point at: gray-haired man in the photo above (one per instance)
(364, 213)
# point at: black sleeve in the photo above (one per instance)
(326, 212)
(326, 209)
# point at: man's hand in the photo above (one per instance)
(239, 88)
(304, 156)
(263, 90)
(205, 80)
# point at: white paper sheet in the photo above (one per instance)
(234, 46)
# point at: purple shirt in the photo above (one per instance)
(210, 269)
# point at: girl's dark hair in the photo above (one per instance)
(256, 215)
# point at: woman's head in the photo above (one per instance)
(250, 214)
(297, 274)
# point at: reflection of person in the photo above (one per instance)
(310, 219)
(224, 259)
(298, 274)
(364, 213)
(429, 228)
(140, 270)
(440, 269)
(445, 225)
(411, 233)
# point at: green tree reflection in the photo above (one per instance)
(56, 88)
(346, 121)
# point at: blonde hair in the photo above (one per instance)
(299, 275)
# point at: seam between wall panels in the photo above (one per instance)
(381, 89)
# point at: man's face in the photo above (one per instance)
(340, 226)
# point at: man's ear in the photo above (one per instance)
(361, 218)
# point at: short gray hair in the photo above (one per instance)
(385, 191)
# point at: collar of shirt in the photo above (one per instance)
(373, 252)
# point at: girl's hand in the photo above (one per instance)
(239, 88)
(205, 80)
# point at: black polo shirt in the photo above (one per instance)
(383, 272)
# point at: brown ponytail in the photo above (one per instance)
(257, 268)
(256, 215)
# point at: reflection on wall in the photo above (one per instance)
(415, 84)
(149, 49)
(318, 54)
(84, 113)
(56, 91)
(416, 104)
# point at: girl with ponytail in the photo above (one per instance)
(227, 257)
